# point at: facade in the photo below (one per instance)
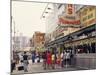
(52, 28)
(55, 29)
(87, 58)
(38, 41)
(80, 39)
(87, 15)
(20, 42)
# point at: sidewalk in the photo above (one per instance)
(38, 68)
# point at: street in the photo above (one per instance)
(67, 36)
(38, 68)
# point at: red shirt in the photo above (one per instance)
(48, 58)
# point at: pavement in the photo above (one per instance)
(38, 68)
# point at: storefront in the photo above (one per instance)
(82, 41)
(83, 47)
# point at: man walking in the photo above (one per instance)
(25, 60)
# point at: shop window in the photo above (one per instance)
(86, 48)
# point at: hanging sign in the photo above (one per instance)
(62, 20)
(69, 18)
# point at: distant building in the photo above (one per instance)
(38, 41)
(20, 42)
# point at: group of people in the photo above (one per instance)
(21, 60)
(53, 59)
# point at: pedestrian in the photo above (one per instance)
(64, 58)
(13, 65)
(38, 57)
(58, 60)
(68, 58)
(53, 60)
(33, 57)
(71, 58)
(25, 61)
(44, 60)
(48, 59)
(62, 62)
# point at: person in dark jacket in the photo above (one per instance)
(13, 65)
(44, 59)
(25, 61)
(33, 57)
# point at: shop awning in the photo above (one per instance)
(65, 38)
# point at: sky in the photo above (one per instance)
(26, 16)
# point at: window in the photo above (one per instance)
(90, 16)
(84, 12)
(85, 18)
(86, 48)
(91, 8)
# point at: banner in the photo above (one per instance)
(70, 17)
(62, 21)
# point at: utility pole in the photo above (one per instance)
(13, 37)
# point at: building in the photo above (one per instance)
(87, 15)
(79, 38)
(56, 23)
(20, 42)
(38, 41)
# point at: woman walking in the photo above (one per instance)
(48, 59)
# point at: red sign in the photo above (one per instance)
(63, 21)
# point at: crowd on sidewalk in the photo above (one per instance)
(51, 59)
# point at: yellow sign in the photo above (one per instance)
(88, 15)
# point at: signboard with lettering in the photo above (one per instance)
(88, 15)
(62, 21)
(69, 18)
